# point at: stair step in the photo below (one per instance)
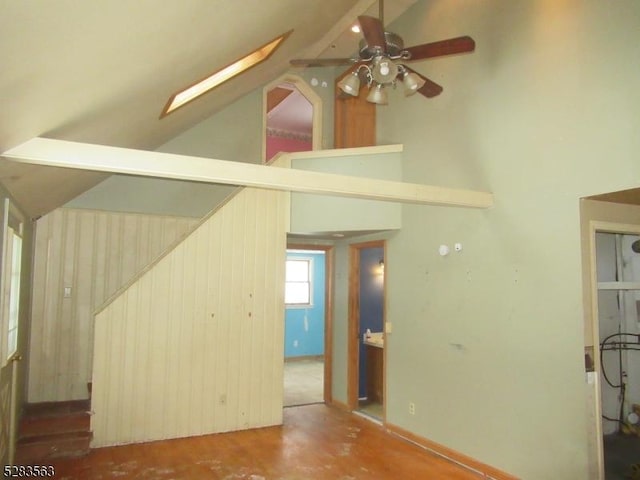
(53, 430)
(38, 448)
(52, 409)
(53, 424)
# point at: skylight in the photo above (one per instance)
(179, 99)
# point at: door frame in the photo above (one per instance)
(328, 313)
(353, 329)
(596, 226)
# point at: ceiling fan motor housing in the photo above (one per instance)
(378, 53)
(395, 46)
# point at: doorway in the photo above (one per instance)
(366, 389)
(617, 272)
(308, 325)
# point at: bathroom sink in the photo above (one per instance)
(374, 339)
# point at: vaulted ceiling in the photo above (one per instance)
(101, 71)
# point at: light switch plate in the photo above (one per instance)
(388, 327)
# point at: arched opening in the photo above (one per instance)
(292, 117)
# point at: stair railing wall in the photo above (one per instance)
(194, 345)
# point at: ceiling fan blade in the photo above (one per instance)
(444, 47)
(321, 62)
(373, 32)
(430, 88)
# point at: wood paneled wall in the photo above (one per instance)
(195, 345)
(94, 253)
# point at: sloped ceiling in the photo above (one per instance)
(101, 71)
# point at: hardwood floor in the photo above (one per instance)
(316, 443)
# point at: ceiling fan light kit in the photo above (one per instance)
(412, 83)
(382, 73)
(378, 95)
(381, 62)
(350, 84)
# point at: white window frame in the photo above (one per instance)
(309, 262)
(12, 229)
(14, 271)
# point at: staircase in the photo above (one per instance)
(53, 430)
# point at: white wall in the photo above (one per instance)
(543, 113)
(94, 253)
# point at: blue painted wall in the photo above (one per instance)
(304, 326)
(371, 303)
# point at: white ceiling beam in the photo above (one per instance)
(84, 156)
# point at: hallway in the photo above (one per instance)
(303, 381)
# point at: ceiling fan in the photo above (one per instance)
(381, 61)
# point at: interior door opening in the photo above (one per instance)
(618, 300)
(307, 346)
(367, 353)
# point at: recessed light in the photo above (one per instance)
(355, 28)
(183, 97)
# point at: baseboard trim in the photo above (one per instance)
(457, 457)
(302, 358)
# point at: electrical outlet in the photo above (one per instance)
(412, 408)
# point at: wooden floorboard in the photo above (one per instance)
(315, 443)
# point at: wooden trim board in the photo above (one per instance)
(450, 454)
(84, 156)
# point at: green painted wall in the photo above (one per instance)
(543, 113)
(323, 213)
(234, 133)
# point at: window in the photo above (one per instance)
(14, 292)
(11, 224)
(183, 97)
(298, 282)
